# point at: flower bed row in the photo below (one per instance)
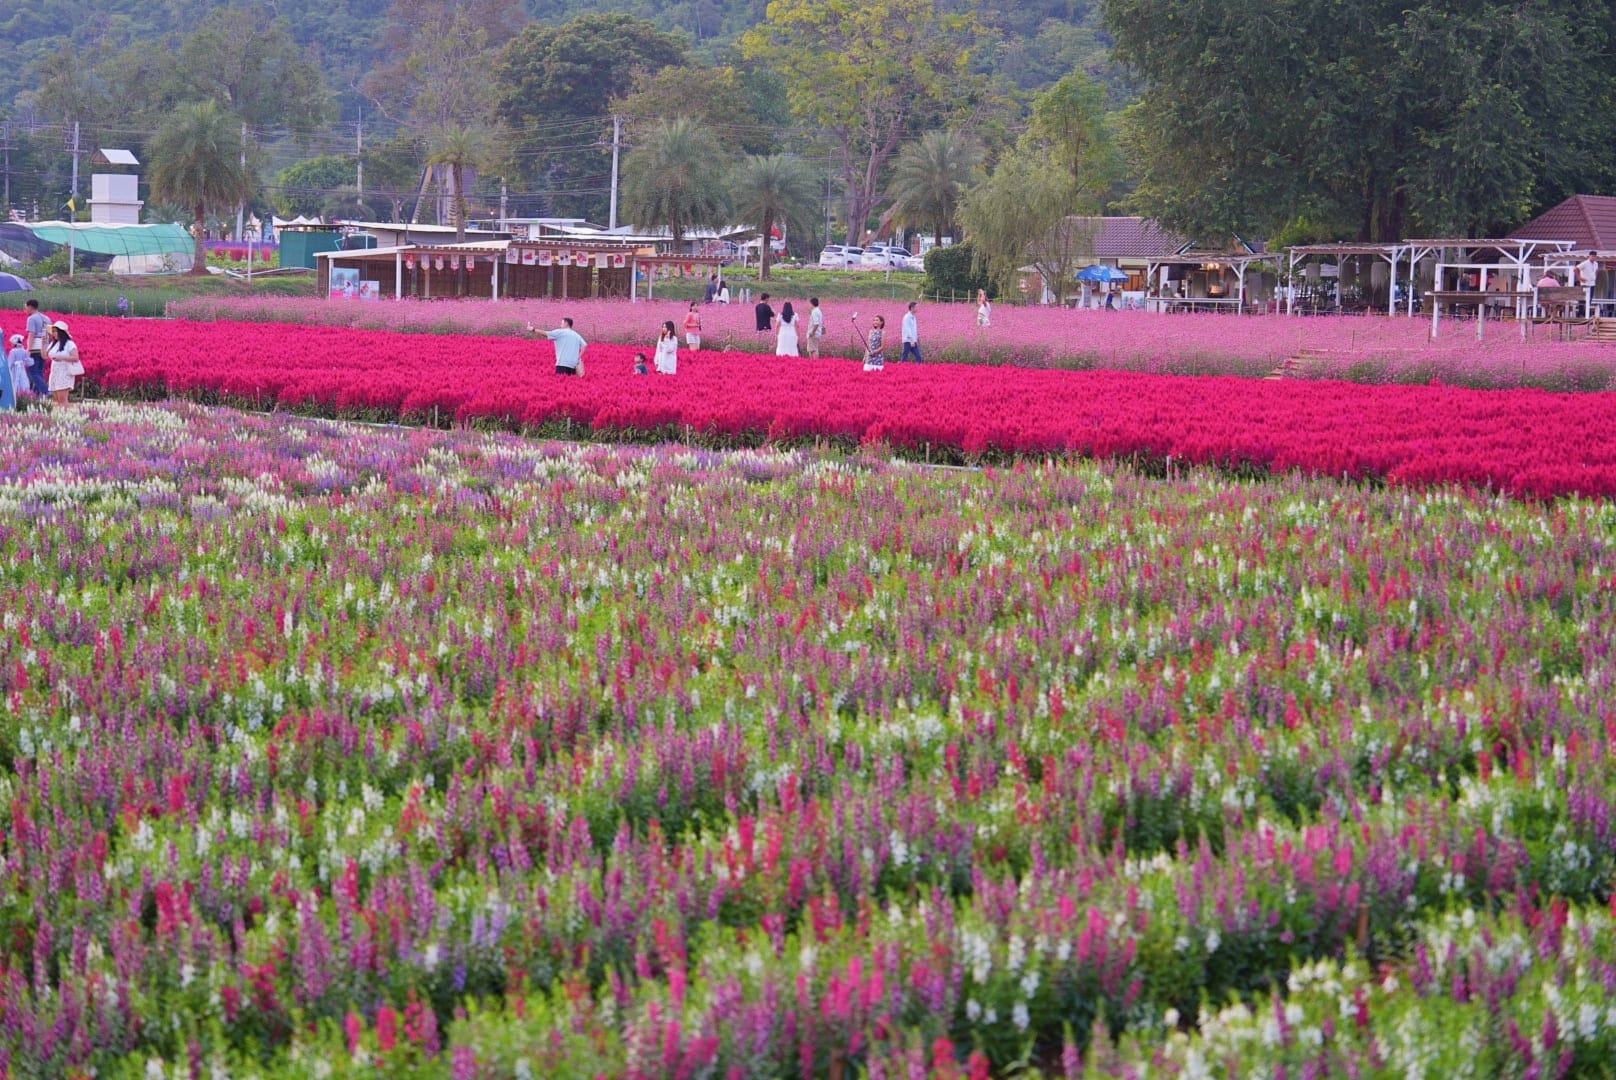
(1369, 350)
(1523, 442)
(335, 751)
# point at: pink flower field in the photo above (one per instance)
(1358, 348)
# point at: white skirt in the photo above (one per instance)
(786, 344)
(62, 375)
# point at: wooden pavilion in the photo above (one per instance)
(501, 269)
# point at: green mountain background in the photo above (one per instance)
(1037, 41)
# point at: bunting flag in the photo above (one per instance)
(619, 260)
(602, 260)
(409, 262)
(513, 256)
(438, 263)
(563, 258)
(454, 262)
(545, 258)
(580, 258)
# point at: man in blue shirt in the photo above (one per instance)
(569, 349)
(38, 323)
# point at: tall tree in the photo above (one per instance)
(716, 96)
(254, 68)
(931, 177)
(393, 171)
(553, 86)
(1385, 117)
(779, 189)
(1027, 213)
(196, 162)
(436, 55)
(1071, 122)
(674, 180)
(459, 148)
(870, 73)
(303, 188)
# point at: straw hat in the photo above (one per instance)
(60, 325)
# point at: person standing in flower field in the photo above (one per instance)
(65, 369)
(765, 314)
(911, 336)
(8, 392)
(693, 326)
(786, 343)
(667, 350)
(875, 357)
(569, 348)
(17, 364)
(35, 329)
(984, 310)
(816, 326)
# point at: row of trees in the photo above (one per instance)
(1369, 120)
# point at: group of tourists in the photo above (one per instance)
(41, 361)
(794, 335)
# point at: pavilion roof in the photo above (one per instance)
(1587, 221)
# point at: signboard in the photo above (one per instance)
(370, 290)
(344, 283)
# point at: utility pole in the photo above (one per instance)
(828, 175)
(504, 202)
(359, 156)
(617, 142)
(241, 205)
(5, 202)
(73, 205)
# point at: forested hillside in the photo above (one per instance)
(1040, 39)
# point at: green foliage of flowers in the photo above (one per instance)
(333, 751)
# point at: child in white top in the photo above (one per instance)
(17, 361)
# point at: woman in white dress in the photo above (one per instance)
(63, 356)
(786, 343)
(984, 310)
(667, 350)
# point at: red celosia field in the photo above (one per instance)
(1524, 442)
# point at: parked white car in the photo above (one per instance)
(884, 257)
(839, 257)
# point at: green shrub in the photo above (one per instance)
(952, 273)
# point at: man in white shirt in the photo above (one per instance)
(816, 326)
(911, 336)
(1587, 277)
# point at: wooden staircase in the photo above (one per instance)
(1604, 330)
(1304, 363)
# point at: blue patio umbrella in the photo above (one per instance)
(13, 283)
(1101, 273)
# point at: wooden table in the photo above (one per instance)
(1477, 299)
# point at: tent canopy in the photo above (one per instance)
(108, 239)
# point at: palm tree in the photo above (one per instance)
(459, 147)
(197, 162)
(674, 180)
(931, 177)
(777, 189)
